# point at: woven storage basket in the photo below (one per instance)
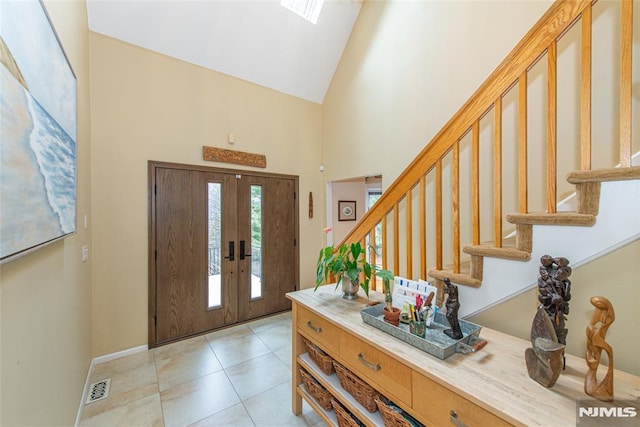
(320, 358)
(363, 392)
(313, 387)
(344, 418)
(390, 417)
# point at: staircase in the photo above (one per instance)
(423, 231)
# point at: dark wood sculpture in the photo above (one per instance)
(545, 358)
(554, 289)
(453, 305)
(603, 316)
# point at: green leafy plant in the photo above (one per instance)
(386, 277)
(347, 260)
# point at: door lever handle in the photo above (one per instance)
(242, 254)
(232, 249)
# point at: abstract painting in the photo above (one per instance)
(38, 120)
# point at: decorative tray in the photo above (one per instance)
(435, 341)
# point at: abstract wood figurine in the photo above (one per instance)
(545, 360)
(603, 316)
(554, 289)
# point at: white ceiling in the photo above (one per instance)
(255, 40)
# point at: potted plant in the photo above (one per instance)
(345, 263)
(391, 314)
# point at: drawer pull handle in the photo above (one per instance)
(454, 419)
(314, 328)
(368, 364)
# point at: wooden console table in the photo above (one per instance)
(490, 387)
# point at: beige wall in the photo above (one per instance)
(406, 70)
(354, 190)
(615, 276)
(146, 106)
(45, 297)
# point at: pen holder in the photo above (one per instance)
(417, 327)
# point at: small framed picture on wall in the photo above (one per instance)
(346, 210)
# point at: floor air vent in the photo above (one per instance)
(98, 390)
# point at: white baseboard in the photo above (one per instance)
(103, 359)
(84, 392)
(119, 354)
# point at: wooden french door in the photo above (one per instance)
(223, 248)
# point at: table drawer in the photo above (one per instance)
(435, 403)
(373, 366)
(319, 330)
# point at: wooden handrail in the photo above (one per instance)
(553, 23)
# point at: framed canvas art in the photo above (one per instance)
(38, 120)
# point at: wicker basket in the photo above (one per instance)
(344, 418)
(391, 417)
(321, 359)
(363, 392)
(313, 387)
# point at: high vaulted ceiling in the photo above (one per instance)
(255, 40)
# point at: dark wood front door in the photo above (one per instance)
(223, 248)
(267, 226)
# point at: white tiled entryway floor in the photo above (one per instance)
(240, 376)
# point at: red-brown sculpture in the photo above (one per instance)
(603, 316)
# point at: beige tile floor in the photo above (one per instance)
(239, 376)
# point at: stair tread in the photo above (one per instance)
(601, 175)
(558, 218)
(504, 252)
(457, 278)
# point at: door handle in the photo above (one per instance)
(232, 249)
(242, 254)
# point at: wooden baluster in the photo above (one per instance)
(372, 256)
(523, 205)
(455, 198)
(585, 92)
(475, 182)
(384, 242)
(423, 228)
(396, 249)
(497, 173)
(552, 106)
(363, 244)
(409, 235)
(626, 44)
(439, 214)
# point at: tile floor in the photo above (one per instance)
(239, 376)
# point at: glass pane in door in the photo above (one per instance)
(214, 206)
(256, 241)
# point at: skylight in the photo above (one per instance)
(308, 9)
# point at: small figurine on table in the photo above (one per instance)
(554, 287)
(453, 305)
(603, 316)
(545, 356)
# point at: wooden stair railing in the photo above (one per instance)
(427, 168)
